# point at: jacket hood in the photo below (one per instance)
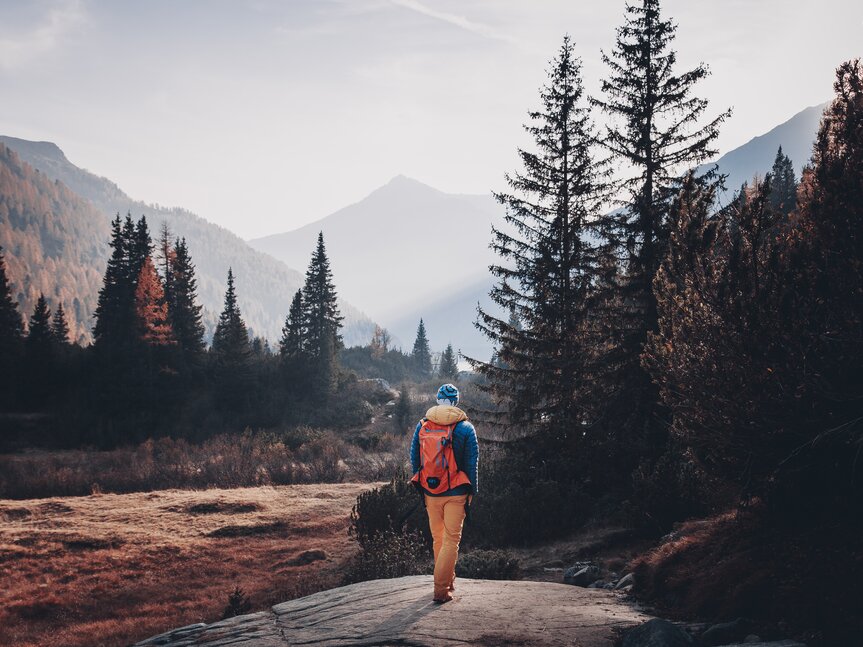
(445, 414)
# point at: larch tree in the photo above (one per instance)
(657, 132)
(421, 353)
(550, 261)
(151, 311)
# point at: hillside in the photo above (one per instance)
(265, 285)
(53, 241)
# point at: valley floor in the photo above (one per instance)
(111, 569)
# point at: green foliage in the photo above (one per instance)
(421, 353)
(448, 369)
(231, 351)
(488, 565)
(548, 270)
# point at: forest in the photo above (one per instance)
(661, 358)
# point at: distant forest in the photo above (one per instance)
(150, 373)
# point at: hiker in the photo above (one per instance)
(444, 456)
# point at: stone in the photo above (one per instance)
(657, 633)
(775, 643)
(626, 580)
(582, 576)
(400, 611)
(307, 557)
(725, 633)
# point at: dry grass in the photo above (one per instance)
(111, 569)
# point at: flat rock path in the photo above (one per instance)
(491, 613)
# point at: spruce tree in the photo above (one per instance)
(550, 261)
(322, 322)
(421, 353)
(448, 369)
(181, 295)
(231, 350)
(657, 131)
(293, 341)
(60, 326)
(11, 331)
(112, 303)
(39, 335)
(783, 184)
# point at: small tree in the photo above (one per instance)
(59, 326)
(448, 370)
(421, 353)
(231, 350)
(151, 311)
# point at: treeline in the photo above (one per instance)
(150, 373)
(668, 351)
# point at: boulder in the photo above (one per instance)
(657, 633)
(582, 575)
(400, 611)
(725, 633)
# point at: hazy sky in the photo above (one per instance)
(265, 115)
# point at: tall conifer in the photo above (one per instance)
(181, 295)
(322, 321)
(549, 262)
(231, 350)
(658, 131)
(60, 326)
(421, 352)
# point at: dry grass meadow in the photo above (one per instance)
(110, 569)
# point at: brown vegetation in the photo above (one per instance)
(802, 577)
(112, 569)
(226, 461)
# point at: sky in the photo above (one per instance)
(265, 115)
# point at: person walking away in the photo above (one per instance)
(444, 457)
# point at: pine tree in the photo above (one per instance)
(166, 261)
(11, 331)
(657, 132)
(783, 183)
(181, 295)
(151, 311)
(60, 326)
(292, 343)
(231, 350)
(421, 353)
(550, 263)
(39, 336)
(448, 369)
(322, 322)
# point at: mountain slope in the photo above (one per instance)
(403, 247)
(265, 285)
(53, 241)
(795, 136)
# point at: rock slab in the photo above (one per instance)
(401, 612)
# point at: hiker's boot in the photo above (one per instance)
(443, 597)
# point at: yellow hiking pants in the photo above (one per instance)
(446, 516)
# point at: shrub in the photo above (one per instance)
(488, 565)
(388, 509)
(390, 554)
(238, 604)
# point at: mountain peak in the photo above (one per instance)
(44, 150)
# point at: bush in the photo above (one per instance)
(388, 509)
(388, 554)
(488, 565)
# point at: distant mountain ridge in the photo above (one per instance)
(265, 285)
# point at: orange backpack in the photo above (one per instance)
(438, 469)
